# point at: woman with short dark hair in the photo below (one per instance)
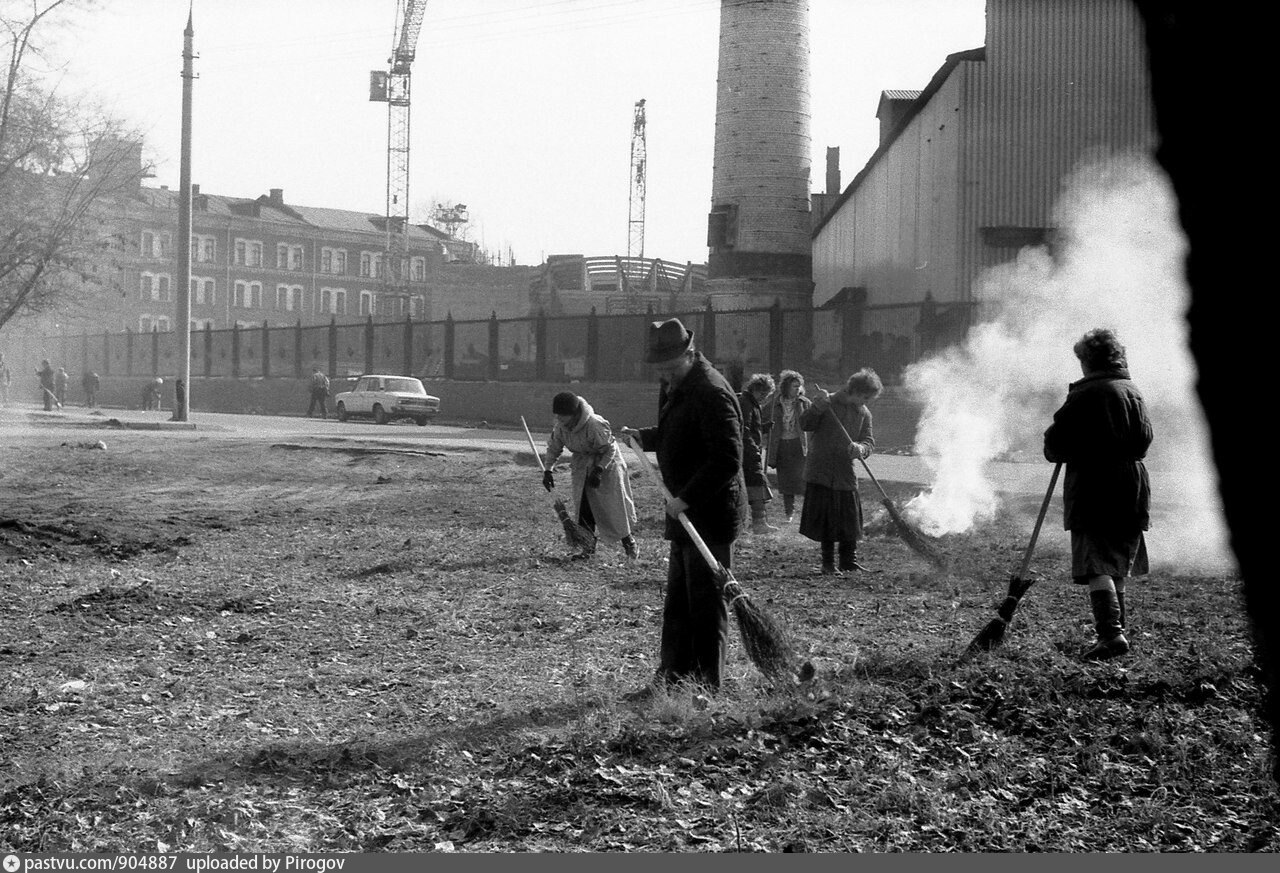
(1102, 433)
(788, 442)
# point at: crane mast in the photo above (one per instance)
(392, 86)
(635, 223)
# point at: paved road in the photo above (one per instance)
(1026, 478)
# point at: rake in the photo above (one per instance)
(766, 642)
(912, 537)
(577, 536)
(992, 635)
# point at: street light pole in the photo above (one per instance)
(183, 319)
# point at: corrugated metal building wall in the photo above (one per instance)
(974, 174)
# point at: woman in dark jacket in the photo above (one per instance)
(1102, 433)
(841, 428)
(788, 442)
(758, 387)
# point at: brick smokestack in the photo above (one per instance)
(758, 229)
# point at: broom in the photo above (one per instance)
(575, 534)
(912, 537)
(764, 640)
(993, 634)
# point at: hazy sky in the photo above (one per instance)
(522, 109)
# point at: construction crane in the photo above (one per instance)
(391, 86)
(635, 223)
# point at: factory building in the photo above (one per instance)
(970, 168)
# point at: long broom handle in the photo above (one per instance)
(711, 559)
(1035, 532)
(534, 448)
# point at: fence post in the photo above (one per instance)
(775, 336)
(708, 340)
(266, 350)
(448, 345)
(333, 347)
(106, 353)
(368, 343)
(128, 351)
(540, 345)
(408, 344)
(852, 315)
(235, 351)
(493, 346)
(591, 369)
(297, 350)
(208, 349)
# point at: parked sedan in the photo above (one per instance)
(387, 398)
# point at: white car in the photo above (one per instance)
(387, 398)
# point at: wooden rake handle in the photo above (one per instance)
(1035, 532)
(533, 447)
(711, 559)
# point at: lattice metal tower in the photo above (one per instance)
(392, 87)
(635, 224)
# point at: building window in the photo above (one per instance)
(282, 297)
(340, 262)
(204, 248)
(163, 288)
(366, 265)
(255, 295)
(240, 295)
(296, 298)
(339, 301)
(326, 260)
(209, 288)
(419, 269)
(295, 257)
(202, 290)
(248, 253)
(156, 244)
(163, 324)
(148, 323)
(366, 303)
(144, 323)
(282, 256)
(202, 324)
(147, 286)
(417, 306)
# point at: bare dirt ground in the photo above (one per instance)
(218, 644)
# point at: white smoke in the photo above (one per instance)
(1118, 264)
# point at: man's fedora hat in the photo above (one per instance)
(667, 339)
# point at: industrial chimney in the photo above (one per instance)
(758, 229)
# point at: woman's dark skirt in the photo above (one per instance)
(1096, 553)
(830, 515)
(790, 466)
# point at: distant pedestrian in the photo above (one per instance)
(90, 382)
(60, 380)
(841, 428)
(788, 442)
(758, 387)
(47, 376)
(601, 486)
(6, 379)
(151, 393)
(319, 390)
(1102, 433)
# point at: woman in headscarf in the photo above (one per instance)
(601, 487)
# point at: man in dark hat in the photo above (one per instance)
(698, 441)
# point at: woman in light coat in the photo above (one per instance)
(601, 487)
(788, 441)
